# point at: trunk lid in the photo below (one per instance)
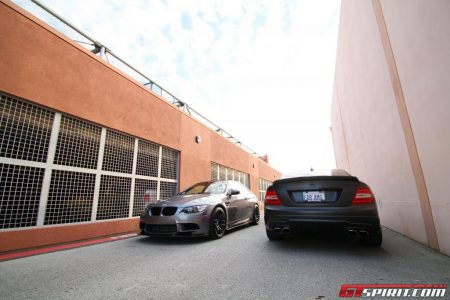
(317, 191)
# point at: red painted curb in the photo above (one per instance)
(15, 255)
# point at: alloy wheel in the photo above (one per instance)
(256, 216)
(219, 223)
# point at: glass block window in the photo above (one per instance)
(70, 198)
(114, 198)
(169, 163)
(247, 180)
(168, 189)
(145, 192)
(78, 143)
(25, 130)
(263, 185)
(219, 172)
(237, 176)
(214, 171)
(147, 159)
(222, 172)
(20, 191)
(229, 174)
(119, 152)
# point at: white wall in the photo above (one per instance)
(376, 148)
(338, 134)
(419, 31)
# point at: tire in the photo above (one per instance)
(374, 240)
(273, 236)
(218, 223)
(256, 216)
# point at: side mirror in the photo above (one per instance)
(233, 192)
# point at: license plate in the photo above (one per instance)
(313, 196)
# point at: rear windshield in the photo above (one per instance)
(312, 172)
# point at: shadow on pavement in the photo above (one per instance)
(318, 242)
(187, 240)
(161, 240)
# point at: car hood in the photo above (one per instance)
(189, 200)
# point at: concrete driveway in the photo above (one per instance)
(242, 265)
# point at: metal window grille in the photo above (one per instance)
(169, 163)
(78, 143)
(50, 165)
(114, 198)
(119, 152)
(147, 159)
(70, 197)
(25, 130)
(145, 192)
(168, 189)
(20, 190)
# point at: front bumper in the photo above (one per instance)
(179, 224)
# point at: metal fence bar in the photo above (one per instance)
(48, 169)
(133, 179)
(98, 176)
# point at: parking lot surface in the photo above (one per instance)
(242, 265)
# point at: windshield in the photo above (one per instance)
(206, 188)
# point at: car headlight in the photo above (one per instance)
(194, 209)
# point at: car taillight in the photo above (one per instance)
(271, 197)
(363, 196)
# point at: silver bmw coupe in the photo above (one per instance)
(207, 208)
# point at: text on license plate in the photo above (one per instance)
(313, 196)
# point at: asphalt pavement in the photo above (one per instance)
(244, 264)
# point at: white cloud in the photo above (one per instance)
(261, 69)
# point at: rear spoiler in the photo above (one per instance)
(316, 178)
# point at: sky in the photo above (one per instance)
(262, 70)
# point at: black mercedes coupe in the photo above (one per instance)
(333, 199)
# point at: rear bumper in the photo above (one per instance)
(294, 217)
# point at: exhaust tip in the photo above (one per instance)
(352, 232)
(277, 229)
(363, 233)
(286, 230)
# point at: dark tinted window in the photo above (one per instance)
(218, 187)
